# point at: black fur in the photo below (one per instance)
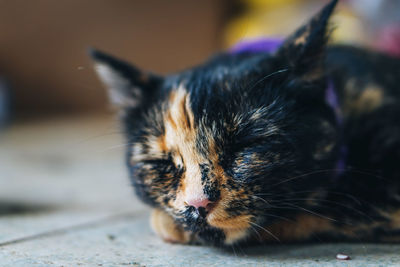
(276, 138)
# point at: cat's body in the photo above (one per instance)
(250, 146)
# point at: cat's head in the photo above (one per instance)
(219, 146)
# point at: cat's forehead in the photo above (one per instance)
(216, 87)
(181, 136)
(190, 122)
(201, 109)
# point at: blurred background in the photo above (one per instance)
(60, 144)
(43, 60)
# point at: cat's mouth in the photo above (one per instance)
(216, 215)
(218, 218)
(233, 227)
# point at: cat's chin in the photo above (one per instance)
(235, 229)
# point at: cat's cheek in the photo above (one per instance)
(165, 227)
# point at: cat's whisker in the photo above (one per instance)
(265, 77)
(116, 146)
(279, 217)
(269, 204)
(332, 202)
(73, 145)
(313, 191)
(269, 232)
(260, 198)
(304, 175)
(258, 234)
(239, 246)
(309, 211)
(327, 171)
(368, 173)
(234, 251)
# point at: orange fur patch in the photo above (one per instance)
(180, 139)
(167, 229)
(233, 235)
(302, 228)
(362, 100)
(370, 99)
(225, 222)
(395, 219)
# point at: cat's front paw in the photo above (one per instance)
(165, 226)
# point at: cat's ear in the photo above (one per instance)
(128, 87)
(303, 51)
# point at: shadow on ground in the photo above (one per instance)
(18, 208)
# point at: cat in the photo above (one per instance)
(297, 144)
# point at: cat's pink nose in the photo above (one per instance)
(198, 202)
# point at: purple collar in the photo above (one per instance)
(270, 45)
(332, 100)
(257, 45)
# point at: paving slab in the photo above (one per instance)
(128, 241)
(61, 173)
(27, 226)
(64, 162)
(65, 200)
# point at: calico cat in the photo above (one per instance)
(297, 144)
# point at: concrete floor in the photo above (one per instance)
(65, 200)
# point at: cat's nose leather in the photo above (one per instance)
(198, 202)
